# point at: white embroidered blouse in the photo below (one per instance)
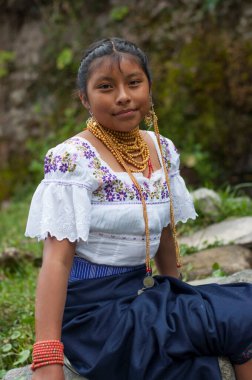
(82, 199)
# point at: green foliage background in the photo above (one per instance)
(201, 60)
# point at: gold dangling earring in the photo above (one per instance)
(148, 120)
(91, 121)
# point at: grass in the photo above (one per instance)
(18, 275)
(12, 227)
(17, 289)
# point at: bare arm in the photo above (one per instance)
(165, 258)
(51, 297)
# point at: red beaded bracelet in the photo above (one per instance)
(47, 352)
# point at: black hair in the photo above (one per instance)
(109, 47)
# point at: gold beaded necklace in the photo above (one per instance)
(129, 146)
(125, 146)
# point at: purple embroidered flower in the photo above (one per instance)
(47, 164)
(85, 145)
(164, 191)
(163, 194)
(145, 195)
(146, 185)
(108, 177)
(47, 160)
(46, 168)
(74, 157)
(104, 169)
(57, 159)
(63, 168)
(53, 167)
(110, 197)
(89, 154)
(109, 188)
(136, 192)
(121, 196)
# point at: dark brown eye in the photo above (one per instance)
(105, 86)
(134, 83)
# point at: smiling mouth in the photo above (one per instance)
(125, 112)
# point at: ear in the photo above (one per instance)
(84, 100)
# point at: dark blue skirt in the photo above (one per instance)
(172, 331)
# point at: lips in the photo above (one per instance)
(125, 112)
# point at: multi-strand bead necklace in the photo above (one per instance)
(130, 148)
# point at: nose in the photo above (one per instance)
(122, 96)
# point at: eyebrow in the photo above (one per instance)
(105, 77)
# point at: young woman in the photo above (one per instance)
(108, 204)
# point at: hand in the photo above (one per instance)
(49, 372)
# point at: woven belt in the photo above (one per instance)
(83, 269)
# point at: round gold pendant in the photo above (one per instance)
(148, 282)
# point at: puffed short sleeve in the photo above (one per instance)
(61, 204)
(182, 200)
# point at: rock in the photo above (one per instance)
(25, 373)
(231, 259)
(18, 97)
(243, 276)
(207, 201)
(11, 256)
(226, 368)
(231, 231)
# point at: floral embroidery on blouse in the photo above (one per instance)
(166, 151)
(64, 163)
(112, 188)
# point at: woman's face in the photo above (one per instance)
(118, 93)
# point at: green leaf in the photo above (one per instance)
(2, 373)
(15, 335)
(219, 273)
(64, 59)
(119, 13)
(22, 357)
(215, 266)
(6, 57)
(6, 347)
(210, 5)
(217, 270)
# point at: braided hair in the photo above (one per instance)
(113, 47)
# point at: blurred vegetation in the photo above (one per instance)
(6, 58)
(17, 298)
(201, 56)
